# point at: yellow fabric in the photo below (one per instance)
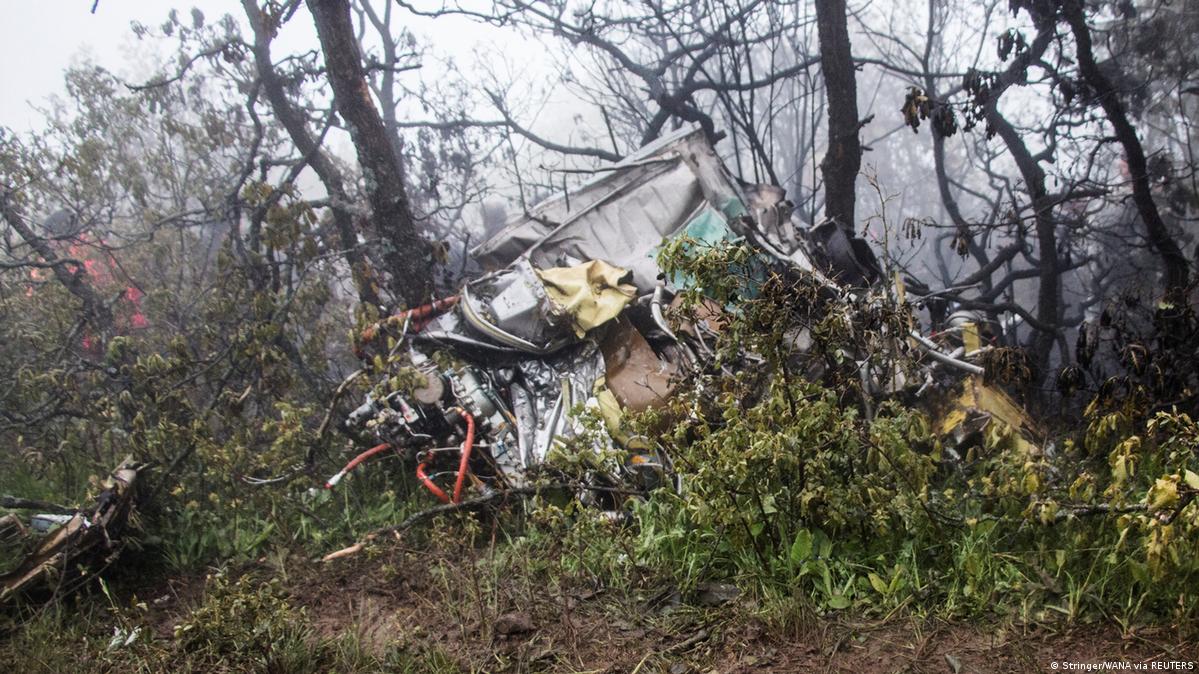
(592, 293)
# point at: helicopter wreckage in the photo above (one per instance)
(478, 390)
(572, 316)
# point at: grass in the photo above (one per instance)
(438, 606)
(598, 594)
(244, 625)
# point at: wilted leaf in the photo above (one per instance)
(1163, 494)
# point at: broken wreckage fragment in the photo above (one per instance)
(485, 385)
(73, 539)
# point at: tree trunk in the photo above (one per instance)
(408, 255)
(843, 158)
(296, 125)
(1177, 271)
(1049, 267)
(75, 280)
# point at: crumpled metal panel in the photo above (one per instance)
(626, 228)
(511, 308)
(524, 232)
(552, 388)
(622, 216)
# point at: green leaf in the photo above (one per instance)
(878, 584)
(801, 547)
(1139, 571)
(824, 547)
(838, 602)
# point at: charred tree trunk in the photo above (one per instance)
(408, 255)
(1177, 270)
(843, 158)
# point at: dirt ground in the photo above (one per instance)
(425, 602)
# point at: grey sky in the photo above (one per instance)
(41, 38)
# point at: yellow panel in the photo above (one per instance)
(970, 336)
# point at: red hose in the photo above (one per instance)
(423, 314)
(464, 462)
(420, 475)
(354, 463)
(418, 318)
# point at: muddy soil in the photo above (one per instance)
(423, 602)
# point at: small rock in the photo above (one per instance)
(755, 630)
(517, 622)
(717, 594)
(679, 668)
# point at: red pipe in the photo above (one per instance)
(464, 462)
(420, 475)
(354, 463)
(418, 317)
(421, 316)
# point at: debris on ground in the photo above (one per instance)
(480, 388)
(70, 540)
